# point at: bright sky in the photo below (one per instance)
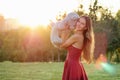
(34, 12)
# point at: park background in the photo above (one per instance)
(26, 52)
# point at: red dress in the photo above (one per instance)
(73, 68)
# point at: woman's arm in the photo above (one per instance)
(69, 41)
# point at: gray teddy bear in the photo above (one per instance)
(70, 20)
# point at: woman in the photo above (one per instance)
(80, 43)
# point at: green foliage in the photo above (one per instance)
(93, 10)
(105, 22)
(114, 42)
(25, 44)
(118, 16)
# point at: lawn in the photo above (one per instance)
(51, 71)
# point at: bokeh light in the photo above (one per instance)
(103, 64)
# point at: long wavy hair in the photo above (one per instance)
(88, 48)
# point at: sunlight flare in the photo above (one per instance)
(34, 12)
(102, 64)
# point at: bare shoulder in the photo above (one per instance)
(74, 37)
(79, 41)
(78, 37)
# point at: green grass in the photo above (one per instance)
(49, 71)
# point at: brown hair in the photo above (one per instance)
(88, 48)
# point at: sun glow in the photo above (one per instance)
(34, 21)
(35, 12)
(39, 12)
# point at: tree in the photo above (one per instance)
(94, 8)
(114, 44)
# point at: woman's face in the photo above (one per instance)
(81, 24)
